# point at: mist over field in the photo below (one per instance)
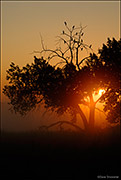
(11, 122)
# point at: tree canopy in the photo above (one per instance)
(110, 55)
(65, 88)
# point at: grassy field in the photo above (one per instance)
(60, 155)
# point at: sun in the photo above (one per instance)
(101, 91)
(97, 94)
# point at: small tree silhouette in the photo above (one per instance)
(65, 88)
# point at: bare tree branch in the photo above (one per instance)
(59, 63)
(61, 123)
(49, 58)
(83, 60)
(67, 26)
(55, 52)
(73, 42)
(63, 40)
(101, 97)
(42, 43)
(101, 111)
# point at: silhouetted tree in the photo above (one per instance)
(109, 76)
(61, 89)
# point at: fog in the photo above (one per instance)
(12, 122)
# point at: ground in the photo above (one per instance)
(60, 155)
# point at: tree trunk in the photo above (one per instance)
(91, 117)
(84, 119)
(92, 114)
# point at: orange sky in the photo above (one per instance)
(23, 21)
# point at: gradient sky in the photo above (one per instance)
(23, 21)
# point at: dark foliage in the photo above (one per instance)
(59, 88)
(107, 70)
(62, 89)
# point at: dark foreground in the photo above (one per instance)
(61, 156)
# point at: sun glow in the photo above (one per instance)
(97, 94)
(101, 91)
